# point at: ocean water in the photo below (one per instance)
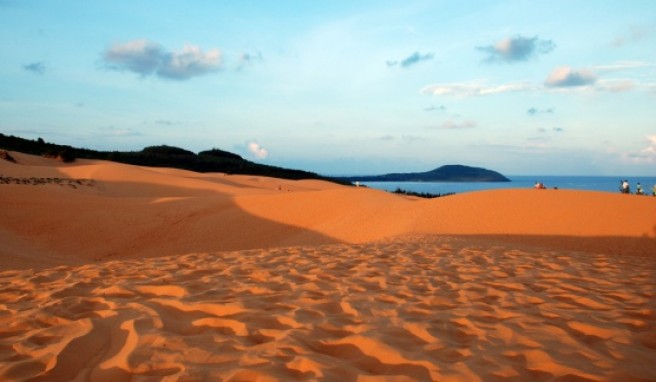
(588, 183)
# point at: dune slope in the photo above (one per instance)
(128, 211)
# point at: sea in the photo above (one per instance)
(587, 183)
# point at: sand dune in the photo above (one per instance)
(164, 274)
(136, 211)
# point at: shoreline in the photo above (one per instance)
(606, 184)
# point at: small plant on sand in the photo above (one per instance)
(5, 155)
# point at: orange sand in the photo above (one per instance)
(163, 274)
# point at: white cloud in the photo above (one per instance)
(517, 48)
(616, 86)
(192, 61)
(139, 56)
(645, 156)
(469, 89)
(568, 77)
(453, 125)
(149, 58)
(650, 150)
(560, 79)
(411, 60)
(114, 131)
(623, 66)
(257, 150)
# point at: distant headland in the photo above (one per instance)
(448, 173)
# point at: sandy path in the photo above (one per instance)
(416, 308)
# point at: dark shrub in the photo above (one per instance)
(66, 156)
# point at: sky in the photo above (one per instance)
(341, 87)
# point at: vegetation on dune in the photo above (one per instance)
(65, 155)
(421, 194)
(5, 155)
(213, 160)
(74, 183)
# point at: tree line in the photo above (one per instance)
(213, 160)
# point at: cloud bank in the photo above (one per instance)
(568, 77)
(516, 49)
(149, 58)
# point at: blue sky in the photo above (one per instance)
(342, 87)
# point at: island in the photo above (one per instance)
(448, 173)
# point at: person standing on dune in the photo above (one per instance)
(626, 189)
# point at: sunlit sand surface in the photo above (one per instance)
(159, 274)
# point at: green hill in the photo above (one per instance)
(213, 160)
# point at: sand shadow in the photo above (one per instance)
(118, 220)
